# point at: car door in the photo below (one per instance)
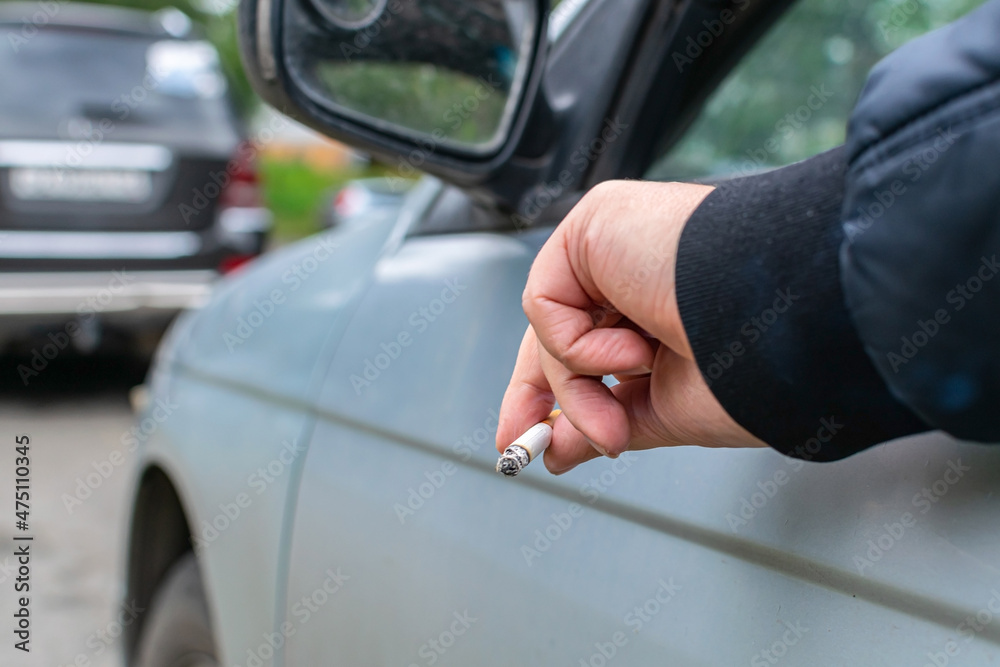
(407, 548)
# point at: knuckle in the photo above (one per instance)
(603, 189)
(559, 337)
(529, 302)
(562, 352)
(576, 360)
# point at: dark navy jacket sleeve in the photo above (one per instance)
(887, 251)
(922, 220)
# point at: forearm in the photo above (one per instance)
(759, 292)
(858, 287)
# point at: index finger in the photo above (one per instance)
(528, 399)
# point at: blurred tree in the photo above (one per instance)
(791, 96)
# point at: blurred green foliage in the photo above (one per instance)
(296, 192)
(818, 55)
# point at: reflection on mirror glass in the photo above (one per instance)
(445, 71)
(351, 14)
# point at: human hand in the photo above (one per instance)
(600, 300)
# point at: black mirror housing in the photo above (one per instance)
(440, 86)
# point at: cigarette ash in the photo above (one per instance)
(513, 460)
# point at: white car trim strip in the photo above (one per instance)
(84, 155)
(112, 291)
(98, 245)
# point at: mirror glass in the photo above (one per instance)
(350, 14)
(443, 72)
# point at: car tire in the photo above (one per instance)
(177, 632)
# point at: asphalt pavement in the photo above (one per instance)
(75, 413)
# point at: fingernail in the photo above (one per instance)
(599, 448)
(559, 471)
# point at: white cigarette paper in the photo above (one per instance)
(535, 440)
(527, 447)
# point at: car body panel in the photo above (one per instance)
(291, 303)
(394, 524)
(463, 552)
(235, 510)
(203, 375)
(800, 553)
(794, 557)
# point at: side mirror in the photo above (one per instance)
(443, 86)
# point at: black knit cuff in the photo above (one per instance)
(758, 285)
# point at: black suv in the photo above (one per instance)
(127, 185)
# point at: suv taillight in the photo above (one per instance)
(243, 189)
(233, 262)
(242, 222)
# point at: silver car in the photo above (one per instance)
(316, 482)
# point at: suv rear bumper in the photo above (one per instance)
(103, 292)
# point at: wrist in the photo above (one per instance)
(679, 202)
(759, 294)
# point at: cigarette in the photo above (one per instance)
(526, 448)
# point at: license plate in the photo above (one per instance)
(91, 185)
